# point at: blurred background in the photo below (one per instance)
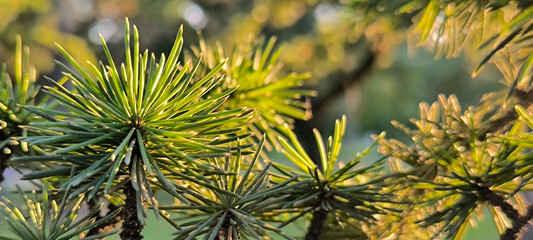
(365, 68)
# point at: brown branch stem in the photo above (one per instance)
(519, 221)
(224, 232)
(519, 224)
(316, 229)
(132, 226)
(498, 201)
(4, 163)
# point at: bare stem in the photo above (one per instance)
(4, 159)
(224, 232)
(498, 201)
(519, 224)
(132, 226)
(316, 229)
(519, 221)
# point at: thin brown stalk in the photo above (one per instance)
(316, 229)
(131, 226)
(519, 221)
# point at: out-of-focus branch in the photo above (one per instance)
(348, 79)
(342, 80)
(525, 99)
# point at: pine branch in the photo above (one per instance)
(519, 221)
(518, 225)
(316, 229)
(131, 227)
(4, 159)
(498, 201)
(225, 231)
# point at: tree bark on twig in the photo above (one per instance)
(519, 221)
(316, 229)
(498, 201)
(518, 225)
(224, 232)
(4, 159)
(131, 226)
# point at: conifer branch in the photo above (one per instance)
(498, 201)
(316, 228)
(131, 227)
(4, 158)
(518, 225)
(519, 221)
